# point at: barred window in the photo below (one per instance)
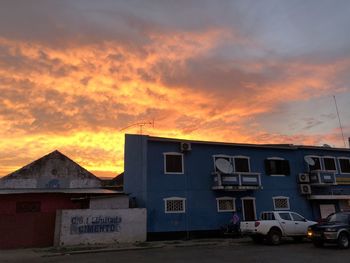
(281, 203)
(226, 204)
(175, 205)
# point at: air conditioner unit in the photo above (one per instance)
(305, 189)
(304, 178)
(185, 147)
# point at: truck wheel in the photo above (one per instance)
(258, 239)
(274, 237)
(343, 240)
(317, 243)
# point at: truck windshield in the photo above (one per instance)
(338, 218)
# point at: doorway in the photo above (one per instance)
(248, 205)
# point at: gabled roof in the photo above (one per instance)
(54, 164)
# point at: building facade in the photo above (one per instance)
(31, 196)
(195, 186)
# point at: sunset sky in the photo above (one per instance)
(73, 73)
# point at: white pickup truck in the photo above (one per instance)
(273, 225)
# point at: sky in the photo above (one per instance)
(75, 73)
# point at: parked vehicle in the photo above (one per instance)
(336, 229)
(273, 225)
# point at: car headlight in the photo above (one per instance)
(330, 229)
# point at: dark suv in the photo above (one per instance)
(336, 229)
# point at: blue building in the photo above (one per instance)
(196, 186)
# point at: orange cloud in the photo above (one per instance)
(78, 98)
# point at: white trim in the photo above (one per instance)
(280, 197)
(182, 162)
(342, 158)
(335, 163)
(240, 157)
(275, 158)
(226, 198)
(175, 198)
(248, 198)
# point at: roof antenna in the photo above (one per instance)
(140, 124)
(341, 128)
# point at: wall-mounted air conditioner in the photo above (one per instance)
(185, 147)
(305, 189)
(304, 178)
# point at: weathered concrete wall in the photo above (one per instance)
(52, 171)
(91, 226)
(18, 183)
(115, 202)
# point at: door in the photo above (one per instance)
(249, 209)
(301, 224)
(287, 223)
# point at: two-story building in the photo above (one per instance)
(195, 186)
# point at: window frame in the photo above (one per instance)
(216, 156)
(320, 160)
(279, 159)
(175, 198)
(324, 165)
(218, 199)
(240, 157)
(165, 154)
(280, 197)
(343, 158)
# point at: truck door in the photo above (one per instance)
(287, 223)
(300, 223)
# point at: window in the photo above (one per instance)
(242, 164)
(226, 204)
(267, 216)
(344, 164)
(297, 217)
(175, 205)
(285, 216)
(281, 203)
(329, 163)
(28, 207)
(277, 166)
(317, 165)
(173, 163)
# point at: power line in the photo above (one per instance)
(341, 128)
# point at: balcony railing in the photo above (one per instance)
(237, 181)
(322, 178)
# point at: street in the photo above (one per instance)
(247, 252)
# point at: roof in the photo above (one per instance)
(60, 165)
(275, 146)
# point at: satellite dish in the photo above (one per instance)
(309, 160)
(223, 166)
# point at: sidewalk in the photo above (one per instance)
(12, 255)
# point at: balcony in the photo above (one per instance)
(237, 181)
(322, 178)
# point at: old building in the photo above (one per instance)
(30, 197)
(194, 186)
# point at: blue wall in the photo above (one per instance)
(145, 179)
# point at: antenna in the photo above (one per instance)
(341, 128)
(140, 124)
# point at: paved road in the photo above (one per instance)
(233, 253)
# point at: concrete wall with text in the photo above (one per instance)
(90, 226)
